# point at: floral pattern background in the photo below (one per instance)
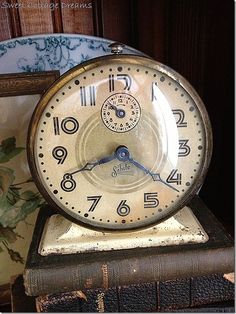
(19, 198)
(16, 202)
(52, 52)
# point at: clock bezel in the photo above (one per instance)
(119, 59)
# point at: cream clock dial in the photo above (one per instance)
(119, 142)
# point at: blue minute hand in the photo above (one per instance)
(123, 154)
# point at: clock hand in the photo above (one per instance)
(123, 154)
(155, 176)
(90, 165)
(120, 113)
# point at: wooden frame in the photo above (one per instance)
(17, 84)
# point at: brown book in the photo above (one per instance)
(63, 273)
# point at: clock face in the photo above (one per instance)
(120, 142)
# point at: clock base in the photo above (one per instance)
(61, 236)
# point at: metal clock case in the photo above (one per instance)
(119, 143)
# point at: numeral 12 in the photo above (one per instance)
(125, 77)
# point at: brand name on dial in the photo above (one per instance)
(121, 169)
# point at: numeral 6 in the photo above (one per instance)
(123, 209)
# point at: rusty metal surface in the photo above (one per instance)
(61, 236)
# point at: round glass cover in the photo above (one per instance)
(120, 142)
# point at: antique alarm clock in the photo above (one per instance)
(119, 143)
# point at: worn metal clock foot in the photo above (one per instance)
(70, 238)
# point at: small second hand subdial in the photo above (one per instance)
(120, 113)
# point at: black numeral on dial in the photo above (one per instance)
(180, 116)
(125, 77)
(184, 148)
(153, 92)
(59, 153)
(123, 209)
(174, 177)
(95, 200)
(68, 125)
(150, 200)
(88, 95)
(68, 184)
(111, 83)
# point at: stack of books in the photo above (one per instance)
(154, 279)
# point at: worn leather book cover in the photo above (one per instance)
(167, 299)
(72, 272)
(146, 297)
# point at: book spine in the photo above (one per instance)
(149, 268)
(145, 297)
